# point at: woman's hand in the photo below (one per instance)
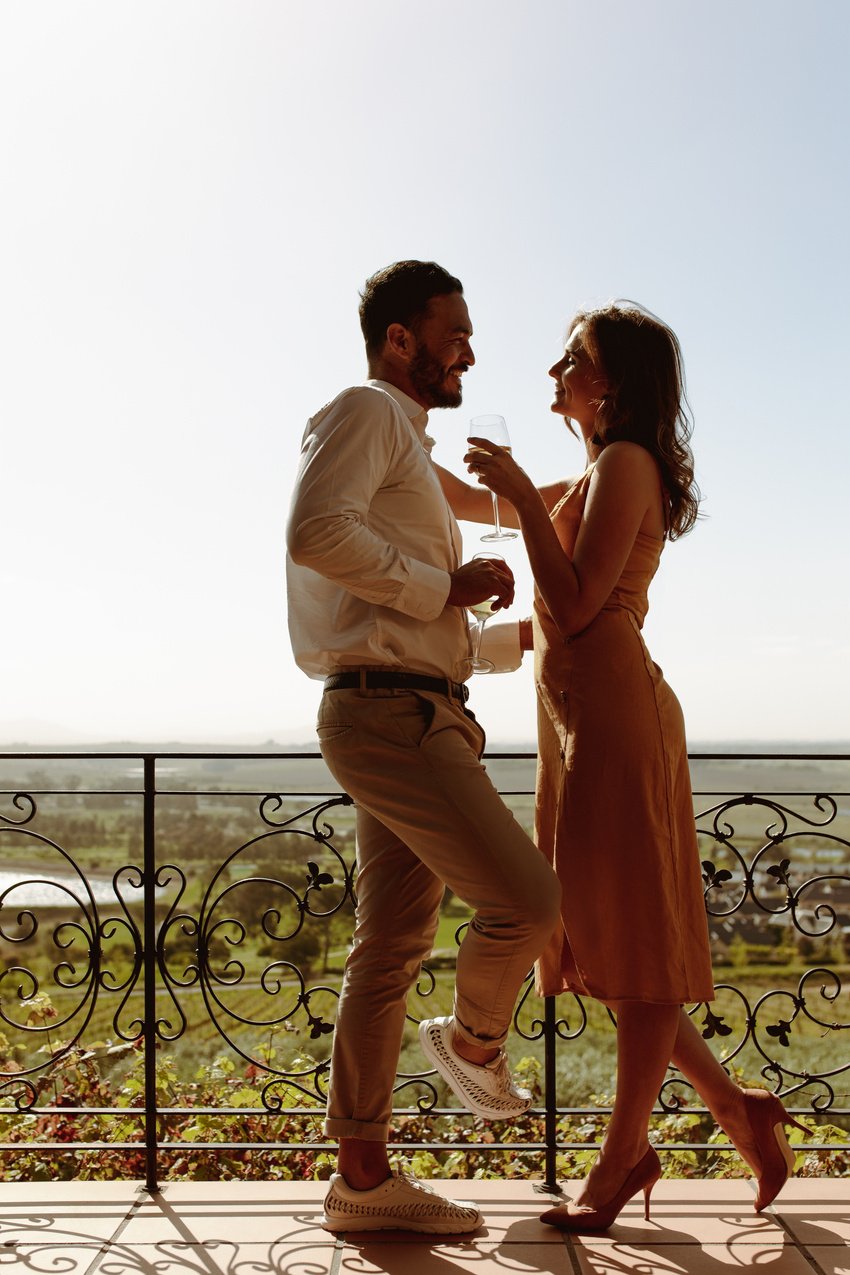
(497, 469)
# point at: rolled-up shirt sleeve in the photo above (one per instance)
(354, 486)
(500, 645)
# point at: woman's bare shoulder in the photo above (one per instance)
(627, 460)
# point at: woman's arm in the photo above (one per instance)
(624, 487)
(470, 502)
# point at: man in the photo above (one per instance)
(377, 598)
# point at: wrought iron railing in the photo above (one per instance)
(153, 914)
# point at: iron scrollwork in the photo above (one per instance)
(235, 947)
(25, 1008)
(226, 921)
(758, 888)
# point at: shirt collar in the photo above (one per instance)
(415, 413)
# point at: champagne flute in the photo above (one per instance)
(494, 429)
(482, 612)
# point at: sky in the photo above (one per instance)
(193, 193)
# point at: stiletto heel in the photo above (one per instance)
(767, 1117)
(647, 1192)
(577, 1217)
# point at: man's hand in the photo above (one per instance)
(479, 579)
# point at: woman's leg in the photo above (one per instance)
(722, 1096)
(646, 1035)
(649, 1037)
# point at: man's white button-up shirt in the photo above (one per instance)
(372, 542)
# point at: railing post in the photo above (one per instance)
(149, 969)
(550, 1097)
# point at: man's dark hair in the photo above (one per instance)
(400, 294)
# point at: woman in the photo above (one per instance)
(614, 811)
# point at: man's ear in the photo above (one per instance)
(400, 342)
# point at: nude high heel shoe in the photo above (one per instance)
(576, 1217)
(767, 1117)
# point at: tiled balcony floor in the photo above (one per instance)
(272, 1228)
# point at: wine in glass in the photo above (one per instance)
(482, 612)
(494, 429)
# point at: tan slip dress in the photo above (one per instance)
(614, 812)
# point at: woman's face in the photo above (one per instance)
(578, 384)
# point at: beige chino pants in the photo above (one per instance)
(428, 816)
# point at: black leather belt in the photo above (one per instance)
(380, 680)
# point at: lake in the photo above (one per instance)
(43, 895)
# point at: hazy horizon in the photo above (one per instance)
(58, 739)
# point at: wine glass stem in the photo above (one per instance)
(479, 635)
(496, 513)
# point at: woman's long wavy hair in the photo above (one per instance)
(645, 402)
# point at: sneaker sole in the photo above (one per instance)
(338, 1225)
(433, 1055)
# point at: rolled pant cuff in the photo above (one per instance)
(481, 1042)
(335, 1127)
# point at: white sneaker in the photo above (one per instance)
(488, 1089)
(402, 1203)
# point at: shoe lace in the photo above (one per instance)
(404, 1175)
(500, 1069)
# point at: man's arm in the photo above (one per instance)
(344, 462)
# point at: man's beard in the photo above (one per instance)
(429, 380)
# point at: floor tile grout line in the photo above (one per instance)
(102, 1252)
(128, 1217)
(571, 1247)
(115, 1238)
(338, 1249)
(811, 1259)
(801, 1248)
